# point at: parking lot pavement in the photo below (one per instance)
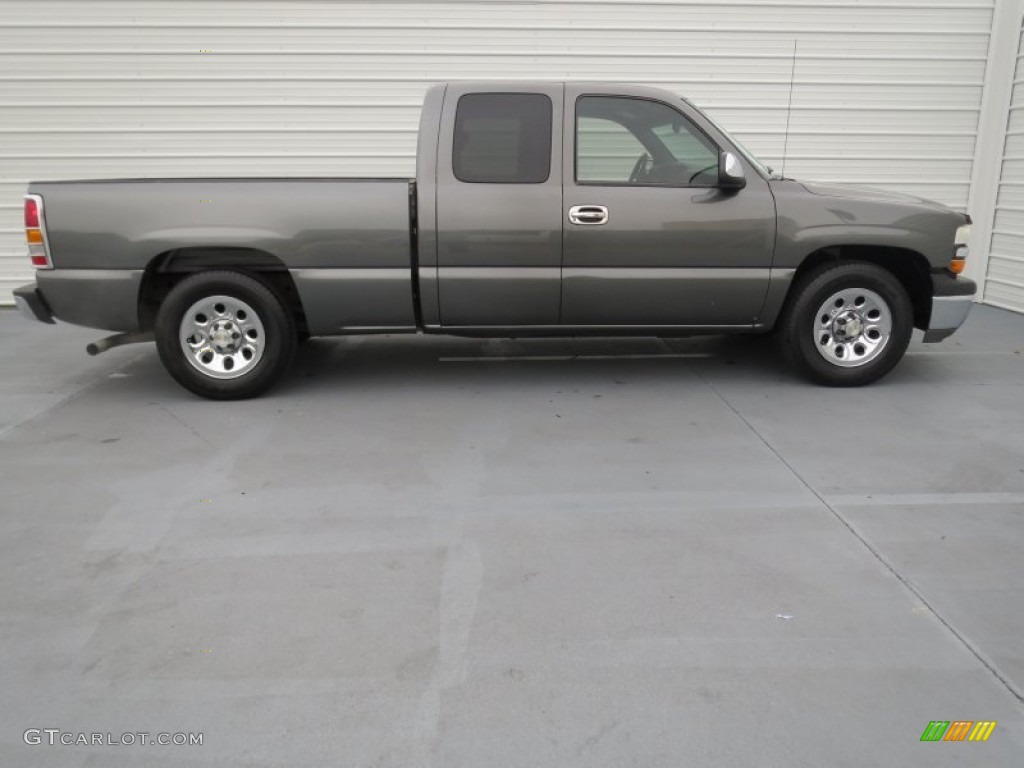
(433, 551)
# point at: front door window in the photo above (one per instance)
(642, 143)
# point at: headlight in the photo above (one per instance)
(960, 249)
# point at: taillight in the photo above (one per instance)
(34, 234)
(31, 212)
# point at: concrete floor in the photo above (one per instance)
(416, 553)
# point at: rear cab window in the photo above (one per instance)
(502, 138)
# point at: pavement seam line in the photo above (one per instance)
(905, 581)
(70, 397)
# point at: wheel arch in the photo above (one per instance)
(167, 269)
(908, 266)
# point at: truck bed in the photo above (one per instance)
(346, 242)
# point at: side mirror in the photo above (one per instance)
(730, 172)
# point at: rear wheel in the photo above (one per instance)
(224, 335)
(848, 324)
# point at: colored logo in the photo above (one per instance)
(958, 730)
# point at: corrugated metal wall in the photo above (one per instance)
(1004, 285)
(885, 92)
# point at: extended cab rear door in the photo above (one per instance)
(649, 239)
(499, 205)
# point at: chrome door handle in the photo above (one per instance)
(588, 214)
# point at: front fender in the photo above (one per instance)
(809, 222)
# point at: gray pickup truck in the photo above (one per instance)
(538, 209)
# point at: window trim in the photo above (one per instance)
(551, 134)
(576, 138)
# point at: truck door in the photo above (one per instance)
(649, 240)
(499, 203)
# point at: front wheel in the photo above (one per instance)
(848, 324)
(224, 335)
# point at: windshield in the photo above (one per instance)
(747, 154)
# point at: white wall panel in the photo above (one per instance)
(1004, 281)
(884, 92)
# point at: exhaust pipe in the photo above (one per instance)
(118, 340)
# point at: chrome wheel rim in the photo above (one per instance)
(222, 337)
(852, 327)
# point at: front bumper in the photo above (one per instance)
(952, 298)
(31, 304)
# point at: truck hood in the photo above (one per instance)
(869, 194)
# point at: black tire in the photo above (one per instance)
(270, 348)
(804, 340)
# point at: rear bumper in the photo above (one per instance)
(31, 304)
(952, 298)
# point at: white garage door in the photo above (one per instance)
(883, 93)
(1004, 282)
